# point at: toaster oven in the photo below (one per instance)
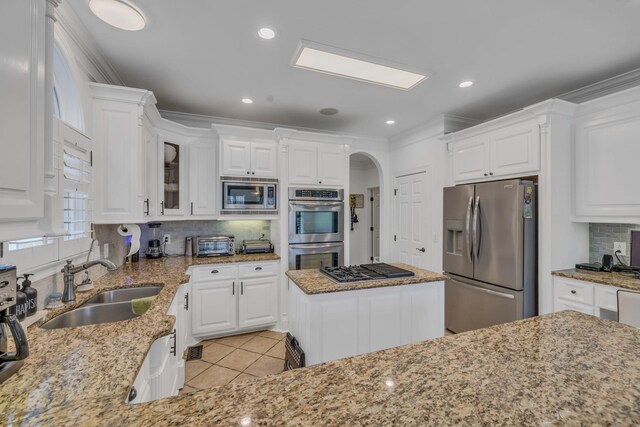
(220, 245)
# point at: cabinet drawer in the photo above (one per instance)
(258, 270)
(574, 290)
(213, 272)
(607, 298)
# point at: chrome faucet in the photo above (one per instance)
(70, 270)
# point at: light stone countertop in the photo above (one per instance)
(76, 364)
(313, 282)
(564, 368)
(612, 279)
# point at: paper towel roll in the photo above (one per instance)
(133, 231)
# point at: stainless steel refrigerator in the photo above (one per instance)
(489, 253)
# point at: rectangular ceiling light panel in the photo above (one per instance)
(312, 58)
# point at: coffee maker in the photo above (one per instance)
(10, 328)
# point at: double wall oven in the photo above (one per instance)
(316, 228)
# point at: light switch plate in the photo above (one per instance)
(620, 246)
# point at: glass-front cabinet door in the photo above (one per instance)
(173, 179)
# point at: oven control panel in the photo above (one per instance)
(316, 194)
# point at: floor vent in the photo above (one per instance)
(194, 353)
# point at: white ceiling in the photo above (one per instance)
(203, 56)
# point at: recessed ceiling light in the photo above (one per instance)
(118, 14)
(328, 60)
(247, 101)
(266, 33)
(466, 83)
(390, 122)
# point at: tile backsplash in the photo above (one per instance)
(179, 230)
(602, 237)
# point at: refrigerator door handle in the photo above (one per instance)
(467, 233)
(476, 229)
(487, 291)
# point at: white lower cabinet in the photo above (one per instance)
(162, 372)
(343, 324)
(229, 298)
(585, 297)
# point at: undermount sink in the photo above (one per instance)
(106, 307)
(127, 294)
(92, 315)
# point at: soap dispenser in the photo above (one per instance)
(20, 308)
(31, 294)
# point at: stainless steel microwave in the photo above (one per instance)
(250, 196)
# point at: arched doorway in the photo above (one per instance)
(364, 233)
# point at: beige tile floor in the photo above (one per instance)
(234, 359)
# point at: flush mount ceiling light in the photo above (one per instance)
(466, 83)
(118, 14)
(266, 33)
(330, 60)
(247, 101)
(390, 122)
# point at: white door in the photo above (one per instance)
(236, 158)
(22, 113)
(214, 307)
(331, 165)
(258, 302)
(202, 183)
(264, 160)
(303, 163)
(470, 159)
(413, 219)
(375, 223)
(515, 150)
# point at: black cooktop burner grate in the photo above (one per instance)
(365, 272)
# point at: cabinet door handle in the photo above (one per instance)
(214, 271)
(174, 347)
(147, 203)
(191, 208)
(258, 268)
(186, 301)
(233, 288)
(573, 291)
(162, 208)
(241, 288)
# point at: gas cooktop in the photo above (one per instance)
(365, 272)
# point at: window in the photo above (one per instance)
(66, 94)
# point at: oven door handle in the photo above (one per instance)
(316, 245)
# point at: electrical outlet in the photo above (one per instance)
(167, 239)
(105, 251)
(620, 246)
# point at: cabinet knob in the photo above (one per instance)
(573, 291)
(486, 174)
(490, 173)
(253, 173)
(248, 172)
(319, 182)
(258, 268)
(214, 271)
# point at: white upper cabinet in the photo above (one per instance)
(264, 160)
(120, 157)
(317, 163)
(173, 153)
(244, 158)
(507, 151)
(22, 118)
(202, 179)
(607, 150)
(470, 159)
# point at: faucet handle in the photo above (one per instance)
(67, 267)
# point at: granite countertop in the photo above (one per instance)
(313, 282)
(99, 361)
(612, 279)
(561, 368)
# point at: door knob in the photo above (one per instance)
(421, 250)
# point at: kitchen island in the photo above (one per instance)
(332, 320)
(562, 368)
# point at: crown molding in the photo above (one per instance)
(69, 22)
(437, 127)
(602, 88)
